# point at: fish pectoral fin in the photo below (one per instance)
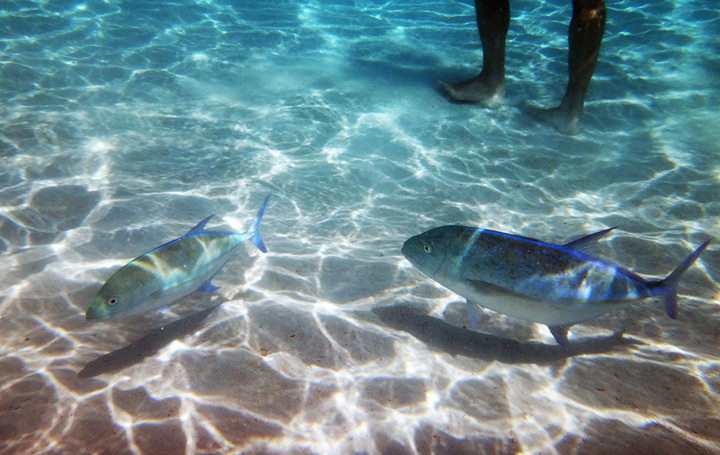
(560, 332)
(208, 286)
(475, 314)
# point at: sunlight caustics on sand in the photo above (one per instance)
(124, 123)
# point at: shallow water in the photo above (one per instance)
(123, 124)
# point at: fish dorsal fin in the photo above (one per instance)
(586, 245)
(200, 227)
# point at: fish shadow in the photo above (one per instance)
(458, 341)
(146, 346)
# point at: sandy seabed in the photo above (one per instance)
(123, 125)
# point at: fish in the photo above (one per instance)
(550, 284)
(171, 271)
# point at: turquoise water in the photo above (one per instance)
(123, 124)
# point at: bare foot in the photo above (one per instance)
(558, 117)
(475, 91)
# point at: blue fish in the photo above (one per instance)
(171, 271)
(555, 285)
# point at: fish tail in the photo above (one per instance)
(671, 282)
(253, 230)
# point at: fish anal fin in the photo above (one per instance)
(208, 286)
(560, 332)
(586, 245)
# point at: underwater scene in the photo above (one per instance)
(126, 124)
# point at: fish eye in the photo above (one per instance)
(112, 301)
(428, 249)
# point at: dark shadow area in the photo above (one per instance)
(146, 346)
(420, 71)
(457, 341)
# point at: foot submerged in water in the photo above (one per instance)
(475, 91)
(557, 117)
(478, 90)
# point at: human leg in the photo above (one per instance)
(585, 35)
(493, 19)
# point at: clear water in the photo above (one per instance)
(123, 124)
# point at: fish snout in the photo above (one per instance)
(404, 250)
(407, 251)
(97, 313)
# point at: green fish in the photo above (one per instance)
(555, 285)
(171, 271)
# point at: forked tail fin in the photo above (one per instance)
(253, 230)
(672, 280)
